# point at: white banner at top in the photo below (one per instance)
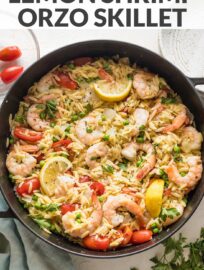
(97, 14)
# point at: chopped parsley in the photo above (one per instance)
(126, 123)
(140, 162)
(107, 67)
(19, 119)
(168, 100)
(49, 111)
(123, 165)
(108, 168)
(168, 212)
(71, 66)
(43, 223)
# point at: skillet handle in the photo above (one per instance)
(198, 81)
(7, 214)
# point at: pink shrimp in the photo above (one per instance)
(191, 178)
(178, 122)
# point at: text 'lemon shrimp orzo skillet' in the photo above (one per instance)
(104, 153)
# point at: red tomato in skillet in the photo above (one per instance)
(10, 53)
(10, 74)
(98, 188)
(27, 134)
(82, 61)
(96, 242)
(28, 187)
(105, 75)
(66, 81)
(141, 236)
(57, 146)
(67, 207)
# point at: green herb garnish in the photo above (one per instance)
(168, 212)
(168, 100)
(43, 223)
(126, 123)
(108, 168)
(19, 119)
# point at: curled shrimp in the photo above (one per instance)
(130, 152)
(46, 82)
(63, 184)
(191, 139)
(94, 152)
(146, 85)
(178, 122)
(29, 148)
(34, 120)
(20, 163)
(169, 220)
(84, 135)
(121, 200)
(82, 229)
(141, 117)
(191, 178)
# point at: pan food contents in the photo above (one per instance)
(104, 153)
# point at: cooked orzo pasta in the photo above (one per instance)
(104, 153)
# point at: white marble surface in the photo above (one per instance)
(53, 39)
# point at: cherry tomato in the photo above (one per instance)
(98, 188)
(82, 61)
(69, 172)
(66, 81)
(58, 146)
(10, 74)
(127, 235)
(28, 186)
(96, 242)
(10, 53)
(67, 207)
(105, 75)
(84, 179)
(27, 134)
(141, 236)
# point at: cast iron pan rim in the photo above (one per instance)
(121, 252)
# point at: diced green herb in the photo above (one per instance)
(71, 66)
(126, 123)
(51, 108)
(140, 139)
(95, 158)
(52, 207)
(163, 175)
(177, 149)
(107, 67)
(88, 108)
(177, 158)
(42, 115)
(34, 198)
(11, 140)
(40, 106)
(130, 76)
(78, 215)
(19, 119)
(168, 100)
(89, 130)
(52, 124)
(43, 223)
(168, 212)
(140, 162)
(101, 198)
(108, 168)
(142, 128)
(54, 139)
(106, 137)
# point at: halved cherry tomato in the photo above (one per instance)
(67, 207)
(66, 81)
(105, 75)
(28, 186)
(10, 53)
(27, 134)
(98, 188)
(10, 74)
(96, 242)
(57, 146)
(142, 236)
(84, 179)
(69, 172)
(82, 61)
(127, 235)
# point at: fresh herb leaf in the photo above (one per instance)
(126, 123)
(140, 162)
(168, 213)
(106, 137)
(108, 168)
(107, 67)
(43, 223)
(71, 66)
(130, 76)
(168, 100)
(19, 119)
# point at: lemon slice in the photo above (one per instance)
(153, 197)
(113, 91)
(53, 167)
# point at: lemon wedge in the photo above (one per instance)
(113, 91)
(153, 197)
(53, 167)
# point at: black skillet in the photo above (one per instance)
(184, 86)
